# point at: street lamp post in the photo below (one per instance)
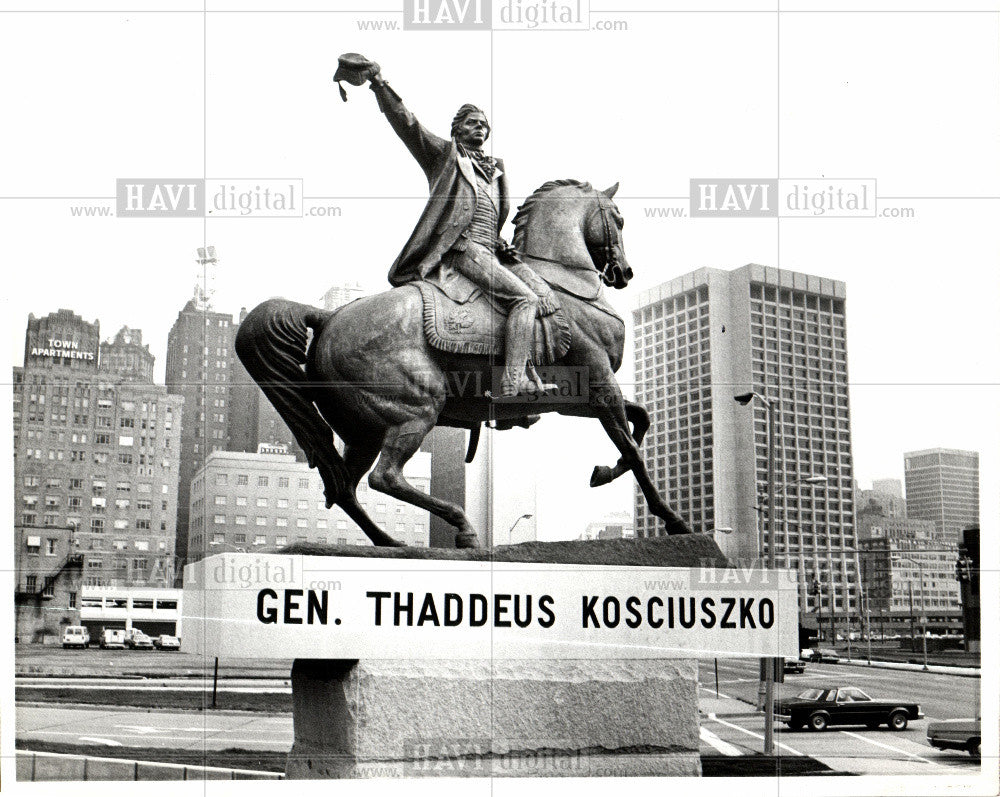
(510, 533)
(744, 399)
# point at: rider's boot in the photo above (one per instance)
(519, 377)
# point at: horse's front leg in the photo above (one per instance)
(608, 406)
(639, 418)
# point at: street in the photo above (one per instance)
(731, 727)
(176, 730)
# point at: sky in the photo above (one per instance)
(676, 96)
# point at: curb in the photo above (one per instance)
(221, 712)
(940, 669)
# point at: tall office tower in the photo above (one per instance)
(447, 449)
(95, 462)
(339, 295)
(942, 484)
(709, 335)
(199, 355)
(127, 357)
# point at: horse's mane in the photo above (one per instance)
(524, 211)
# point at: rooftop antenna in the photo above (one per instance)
(204, 288)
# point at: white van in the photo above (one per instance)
(76, 636)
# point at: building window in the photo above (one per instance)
(242, 480)
(301, 523)
(262, 521)
(72, 600)
(283, 481)
(50, 546)
(262, 502)
(220, 500)
(281, 541)
(218, 539)
(221, 479)
(303, 504)
(260, 539)
(241, 500)
(31, 583)
(282, 503)
(262, 481)
(241, 520)
(219, 520)
(240, 539)
(303, 484)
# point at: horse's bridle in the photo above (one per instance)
(613, 274)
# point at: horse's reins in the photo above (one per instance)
(612, 265)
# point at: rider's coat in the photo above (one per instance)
(444, 224)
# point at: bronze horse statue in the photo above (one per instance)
(369, 374)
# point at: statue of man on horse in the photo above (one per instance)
(456, 244)
(376, 371)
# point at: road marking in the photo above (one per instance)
(723, 747)
(99, 740)
(751, 733)
(887, 747)
(718, 694)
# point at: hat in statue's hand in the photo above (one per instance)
(355, 69)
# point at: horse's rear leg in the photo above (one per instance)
(639, 418)
(358, 458)
(608, 406)
(402, 442)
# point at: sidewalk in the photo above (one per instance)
(942, 669)
(723, 706)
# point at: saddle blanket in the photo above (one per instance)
(478, 327)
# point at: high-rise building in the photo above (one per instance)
(339, 295)
(269, 500)
(711, 334)
(446, 447)
(199, 361)
(96, 461)
(942, 484)
(885, 497)
(127, 357)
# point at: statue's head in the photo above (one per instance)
(470, 126)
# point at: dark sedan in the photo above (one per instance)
(819, 707)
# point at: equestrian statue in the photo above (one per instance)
(382, 371)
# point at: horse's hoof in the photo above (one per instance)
(466, 539)
(600, 476)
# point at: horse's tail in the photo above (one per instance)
(271, 343)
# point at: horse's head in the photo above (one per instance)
(603, 234)
(569, 223)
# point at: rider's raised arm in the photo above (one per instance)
(426, 147)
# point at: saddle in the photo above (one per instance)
(477, 326)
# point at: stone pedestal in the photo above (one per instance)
(617, 718)
(504, 718)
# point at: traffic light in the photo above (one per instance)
(964, 568)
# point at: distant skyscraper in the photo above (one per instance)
(885, 497)
(942, 484)
(199, 354)
(339, 295)
(127, 357)
(704, 337)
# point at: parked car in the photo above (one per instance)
(167, 642)
(820, 707)
(76, 636)
(794, 666)
(964, 734)
(139, 641)
(113, 639)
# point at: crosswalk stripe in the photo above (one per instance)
(722, 746)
